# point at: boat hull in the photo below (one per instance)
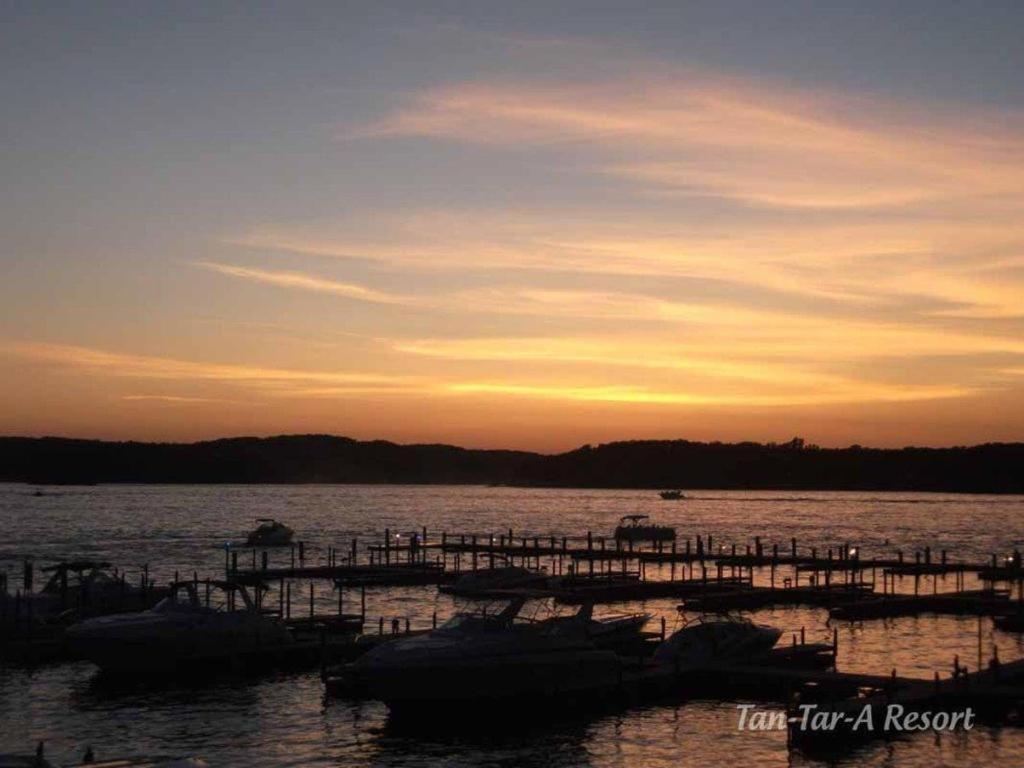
(532, 677)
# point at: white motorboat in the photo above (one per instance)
(181, 629)
(712, 639)
(269, 533)
(476, 657)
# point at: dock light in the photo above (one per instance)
(853, 551)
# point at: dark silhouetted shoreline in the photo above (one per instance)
(989, 468)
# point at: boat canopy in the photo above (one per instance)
(633, 518)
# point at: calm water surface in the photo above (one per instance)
(286, 720)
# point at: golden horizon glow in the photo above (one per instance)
(668, 251)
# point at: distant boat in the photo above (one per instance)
(671, 495)
(270, 533)
(632, 528)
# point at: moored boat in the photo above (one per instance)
(181, 630)
(711, 639)
(476, 658)
(633, 528)
(269, 533)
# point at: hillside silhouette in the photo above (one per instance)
(989, 468)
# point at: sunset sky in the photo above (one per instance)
(529, 225)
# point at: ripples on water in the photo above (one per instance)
(285, 720)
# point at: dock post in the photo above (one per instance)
(835, 646)
(433, 621)
(474, 553)
(310, 599)
(792, 544)
(234, 563)
(280, 600)
(362, 602)
(662, 629)
(291, 547)
(590, 541)
(387, 546)
(254, 558)
(288, 600)
(380, 626)
(264, 563)
(302, 551)
(979, 644)
(27, 577)
(341, 600)
(803, 635)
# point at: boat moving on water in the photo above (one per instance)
(673, 495)
(633, 528)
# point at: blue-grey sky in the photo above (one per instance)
(513, 224)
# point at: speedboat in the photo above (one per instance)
(633, 528)
(475, 658)
(181, 629)
(713, 639)
(269, 533)
(674, 495)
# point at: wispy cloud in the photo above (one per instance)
(175, 399)
(638, 395)
(304, 281)
(107, 363)
(758, 142)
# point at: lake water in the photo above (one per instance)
(286, 720)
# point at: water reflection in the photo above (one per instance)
(284, 720)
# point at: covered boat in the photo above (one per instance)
(710, 639)
(181, 630)
(495, 580)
